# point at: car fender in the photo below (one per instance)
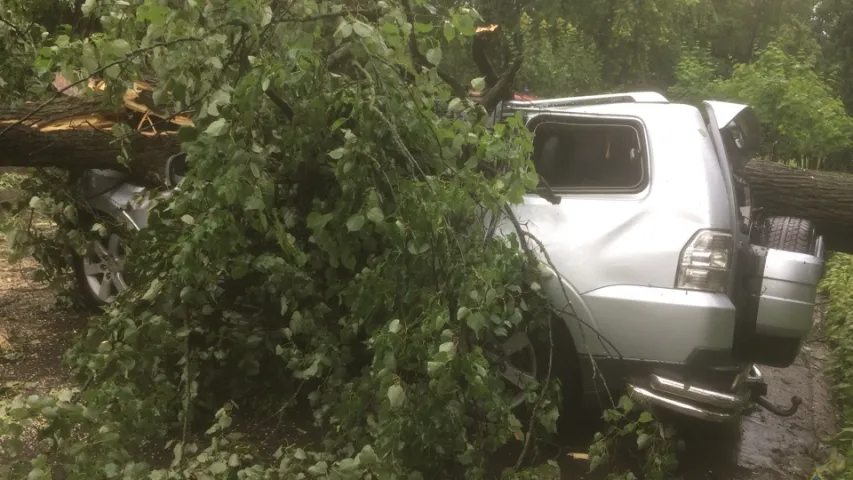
(126, 202)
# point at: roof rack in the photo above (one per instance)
(507, 108)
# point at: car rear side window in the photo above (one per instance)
(590, 155)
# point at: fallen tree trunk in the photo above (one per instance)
(74, 134)
(825, 198)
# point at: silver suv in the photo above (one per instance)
(666, 281)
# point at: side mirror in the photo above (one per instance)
(176, 169)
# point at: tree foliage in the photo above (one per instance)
(340, 255)
(805, 121)
(328, 251)
(558, 59)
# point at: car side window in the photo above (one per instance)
(590, 156)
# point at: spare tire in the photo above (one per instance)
(790, 234)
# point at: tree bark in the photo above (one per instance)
(825, 198)
(74, 134)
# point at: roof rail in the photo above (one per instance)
(632, 97)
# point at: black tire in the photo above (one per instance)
(79, 262)
(790, 234)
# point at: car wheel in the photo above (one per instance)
(98, 273)
(525, 358)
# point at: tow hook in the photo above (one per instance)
(758, 390)
(777, 410)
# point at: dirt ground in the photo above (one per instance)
(34, 334)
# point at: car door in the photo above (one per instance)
(598, 168)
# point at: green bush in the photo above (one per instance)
(838, 285)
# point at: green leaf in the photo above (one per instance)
(218, 467)
(643, 440)
(156, 14)
(476, 321)
(120, 47)
(594, 462)
(89, 6)
(310, 371)
(396, 395)
(317, 220)
(390, 28)
(465, 25)
(367, 456)
(645, 417)
(35, 474)
(89, 60)
(220, 97)
(478, 83)
(319, 468)
(375, 215)
(423, 27)
(188, 219)
(255, 202)
(111, 470)
(218, 128)
(394, 327)
(455, 105)
(434, 55)
(433, 366)
(449, 31)
(153, 290)
(65, 395)
(626, 404)
(344, 30)
(337, 153)
(462, 312)
(355, 222)
(361, 29)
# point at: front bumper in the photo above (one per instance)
(701, 403)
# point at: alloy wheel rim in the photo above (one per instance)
(102, 267)
(518, 365)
